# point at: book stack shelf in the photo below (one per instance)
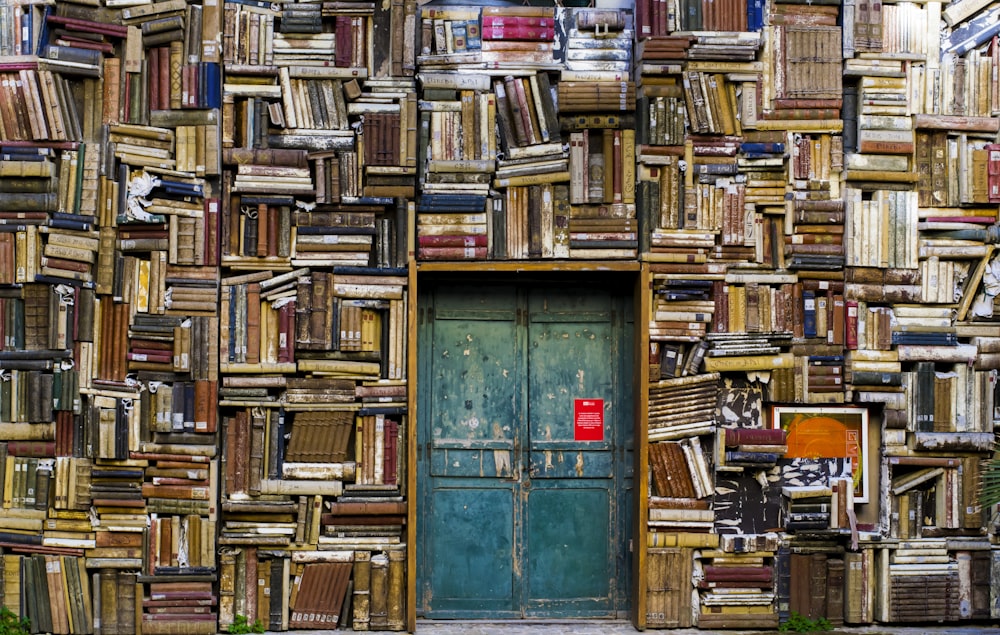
(816, 240)
(319, 160)
(212, 220)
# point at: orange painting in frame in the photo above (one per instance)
(827, 433)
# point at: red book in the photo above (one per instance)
(508, 21)
(31, 448)
(851, 325)
(451, 253)
(164, 78)
(211, 229)
(478, 240)
(715, 573)
(153, 55)
(978, 220)
(754, 436)
(538, 33)
(88, 26)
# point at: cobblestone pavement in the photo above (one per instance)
(425, 627)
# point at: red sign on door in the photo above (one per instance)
(588, 420)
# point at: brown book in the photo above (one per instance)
(378, 592)
(109, 591)
(799, 593)
(253, 335)
(835, 591)
(668, 593)
(127, 602)
(321, 592)
(361, 600)
(361, 508)
(255, 467)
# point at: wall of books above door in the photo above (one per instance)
(526, 134)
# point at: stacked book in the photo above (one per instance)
(753, 447)
(369, 515)
(671, 514)
(708, 45)
(747, 351)
(736, 590)
(516, 37)
(193, 602)
(807, 508)
(450, 226)
(922, 581)
(683, 406)
(597, 41)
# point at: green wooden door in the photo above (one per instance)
(524, 409)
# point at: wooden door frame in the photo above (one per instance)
(631, 274)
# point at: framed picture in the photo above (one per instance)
(828, 433)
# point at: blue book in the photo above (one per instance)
(755, 15)
(473, 37)
(762, 147)
(43, 32)
(211, 96)
(809, 313)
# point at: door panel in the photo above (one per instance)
(569, 537)
(474, 383)
(479, 572)
(518, 518)
(571, 356)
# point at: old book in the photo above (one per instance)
(361, 600)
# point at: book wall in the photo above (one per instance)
(155, 365)
(522, 83)
(120, 254)
(860, 139)
(936, 216)
(319, 132)
(708, 181)
(797, 252)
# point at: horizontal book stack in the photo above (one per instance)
(178, 605)
(452, 226)
(668, 420)
(753, 447)
(515, 37)
(922, 574)
(366, 512)
(811, 507)
(736, 588)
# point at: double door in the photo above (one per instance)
(523, 451)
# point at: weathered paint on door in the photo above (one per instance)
(518, 518)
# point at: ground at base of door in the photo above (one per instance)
(589, 627)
